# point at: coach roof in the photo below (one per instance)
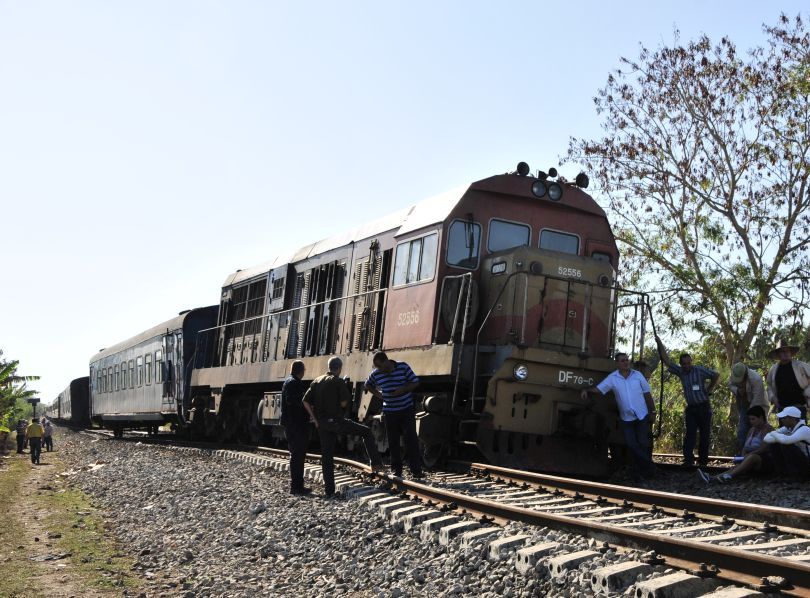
(174, 324)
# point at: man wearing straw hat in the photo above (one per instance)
(749, 391)
(788, 379)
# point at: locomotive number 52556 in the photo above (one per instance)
(407, 318)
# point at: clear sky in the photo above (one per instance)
(149, 149)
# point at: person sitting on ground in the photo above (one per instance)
(756, 456)
(790, 444)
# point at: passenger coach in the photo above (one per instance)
(143, 382)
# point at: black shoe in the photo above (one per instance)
(301, 491)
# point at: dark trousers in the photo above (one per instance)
(20, 442)
(36, 448)
(329, 430)
(637, 437)
(743, 426)
(698, 418)
(790, 460)
(48, 442)
(397, 424)
(297, 434)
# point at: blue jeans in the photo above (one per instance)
(742, 430)
(698, 419)
(637, 438)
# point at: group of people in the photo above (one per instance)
(34, 435)
(762, 449)
(324, 403)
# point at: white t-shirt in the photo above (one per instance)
(629, 393)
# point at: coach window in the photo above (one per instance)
(132, 373)
(158, 367)
(148, 360)
(109, 379)
(139, 370)
(103, 380)
(116, 378)
(557, 241)
(463, 244)
(506, 235)
(416, 260)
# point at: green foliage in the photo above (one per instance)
(13, 393)
(704, 166)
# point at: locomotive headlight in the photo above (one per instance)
(539, 188)
(498, 268)
(555, 191)
(521, 372)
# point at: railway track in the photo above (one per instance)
(703, 542)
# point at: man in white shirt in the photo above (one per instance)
(790, 444)
(636, 410)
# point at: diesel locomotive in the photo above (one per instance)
(501, 295)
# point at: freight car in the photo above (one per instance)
(501, 295)
(72, 406)
(143, 382)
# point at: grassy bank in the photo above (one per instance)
(69, 523)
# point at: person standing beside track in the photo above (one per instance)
(393, 382)
(788, 379)
(295, 419)
(20, 429)
(34, 434)
(749, 391)
(326, 400)
(47, 436)
(636, 410)
(698, 412)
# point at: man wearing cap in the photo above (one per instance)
(749, 391)
(790, 444)
(698, 412)
(788, 379)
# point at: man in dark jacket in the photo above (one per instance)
(22, 425)
(295, 420)
(326, 401)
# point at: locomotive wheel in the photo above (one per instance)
(432, 454)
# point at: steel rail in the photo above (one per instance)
(735, 566)
(782, 516)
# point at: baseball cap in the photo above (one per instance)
(738, 373)
(790, 412)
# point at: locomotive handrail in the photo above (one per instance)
(483, 323)
(204, 334)
(458, 304)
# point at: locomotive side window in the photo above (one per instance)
(601, 256)
(416, 260)
(557, 241)
(506, 235)
(463, 244)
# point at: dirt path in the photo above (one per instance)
(53, 570)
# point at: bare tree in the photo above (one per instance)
(705, 167)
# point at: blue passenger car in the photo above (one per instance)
(143, 382)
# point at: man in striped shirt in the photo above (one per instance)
(698, 412)
(393, 382)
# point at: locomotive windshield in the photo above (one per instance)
(557, 241)
(463, 244)
(506, 235)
